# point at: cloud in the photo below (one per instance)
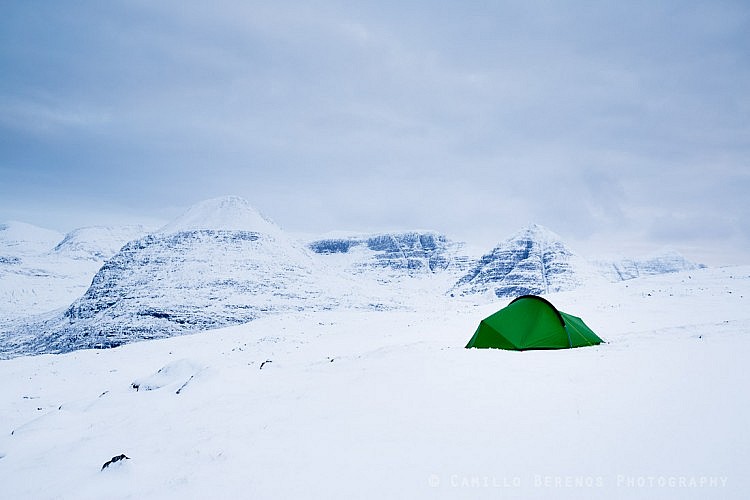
(471, 118)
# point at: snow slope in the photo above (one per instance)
(388, 404)
(97, 243)
(21, 238)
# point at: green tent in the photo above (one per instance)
(531, 322)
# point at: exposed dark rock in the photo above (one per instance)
(114, 460)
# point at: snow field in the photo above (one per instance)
(388, 404)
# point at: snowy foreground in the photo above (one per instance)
(390, 405)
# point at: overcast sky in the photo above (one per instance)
(619, 125)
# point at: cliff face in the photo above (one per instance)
(410, 253)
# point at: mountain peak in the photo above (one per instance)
(232, 213)
(536, 232)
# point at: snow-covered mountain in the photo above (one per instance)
(42, 270)
(533, 261)
(221, 263)
(628, 268)
(536, 261)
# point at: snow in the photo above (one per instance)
(98, 242)
(26, 238)
(388, 404)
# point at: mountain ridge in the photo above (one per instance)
(188, 276)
